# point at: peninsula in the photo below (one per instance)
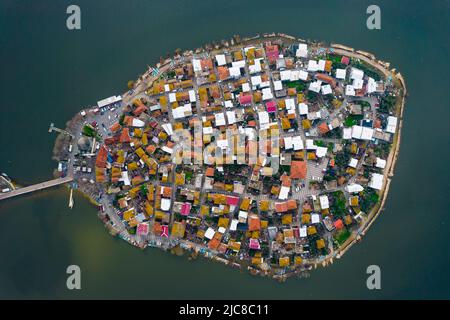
(270, 154)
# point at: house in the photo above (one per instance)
(298, 169)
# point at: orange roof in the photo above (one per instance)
(323, 128)
(209, 172)
(291, 204)
(101, 157)
(281, 207)
(224, 73)
(125, 135)
(326, 78)
(115, 127)
(254, 223)
(298, 169)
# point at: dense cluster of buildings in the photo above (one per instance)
(329, 123)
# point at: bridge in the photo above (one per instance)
(35, 187)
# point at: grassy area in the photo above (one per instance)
(342, 236)
(352, 120)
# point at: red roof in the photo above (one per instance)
(185, 208)
(345, 60)
(101, 157)
(338, 224)
(125, 135)
(323, 128)
(298, 169)
(232, 201)
(245, 99)
(271, 106)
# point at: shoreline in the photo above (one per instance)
(146, 79)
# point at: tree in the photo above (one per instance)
(130, 84)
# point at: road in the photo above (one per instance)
(35, 187)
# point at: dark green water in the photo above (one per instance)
(48, 73)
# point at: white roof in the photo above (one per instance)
(367, 133)
(315, 86)
(231, 116)
(356, 73)
(381, 163)
(254, 68)
(315, 218)
(167, 149)
(228, 104)
(278, 85)
(340, 73)
(138, 123)
(267, 94)
(310, 144)
(223, 144)
(371, 85)
(376, 181)
(321, 152)
(263, 117)
(107, 101)
(288, 142)
(196, 65)
(326, 89)
(349, 90)
(290, 105)
(303, 108)
(245, 87)
(208, 130)
(347, 133)
(209, 234)
(166, 88)
(324, 202)
(358, 83)
(284, 191)
(239, 64)
(220, 119)
(295, 75)
(243, 215)
(303, 232)
(321, 65)
(356, 132)
(234, 224)
(285, 75)
(220, 58)
(256, 80)
(302, 51)
(182, 111)
(165, 204)
(297, 143)
(353, 163)
(235, 71)
(124, 177)
(303, 75)
(192, 97)
(172, 97)
(313, 65)
(391, 124)
(353, 188)
(168, 128)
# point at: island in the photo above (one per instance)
(271, 154)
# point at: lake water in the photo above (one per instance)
(49, 73)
